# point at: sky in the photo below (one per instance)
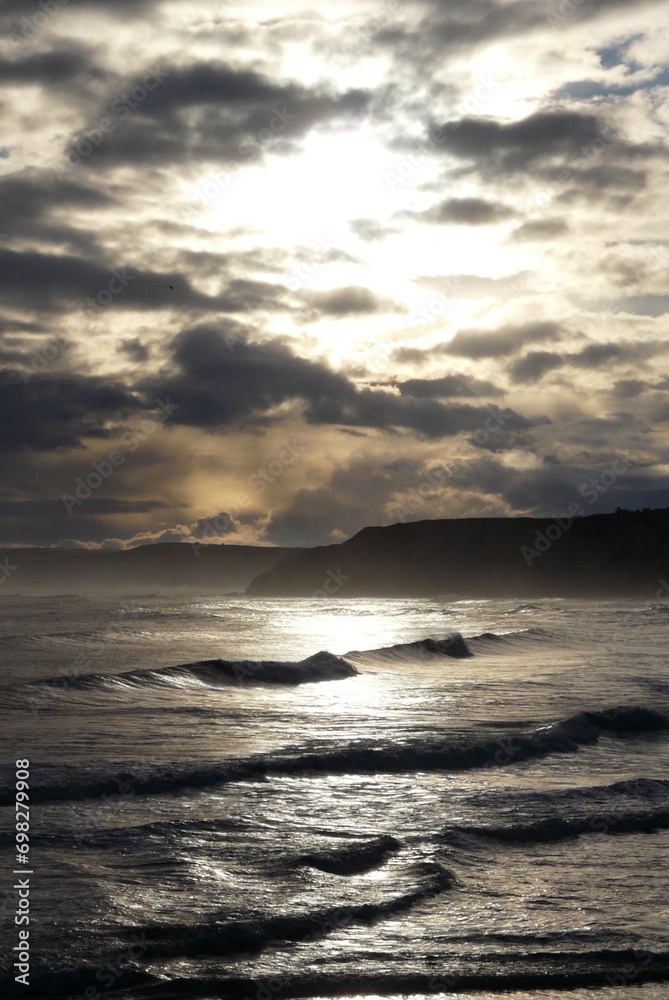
(275, 272)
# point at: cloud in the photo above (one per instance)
(345, 301)
(50, 68)
(506, 340)
(220, 383)
(533, 366)
(32, 205)
(596, 355)
(48, 412)
(467, 212)
(59, 282)
(463, 25)
(517, 146)
(222, 378)
(448, 386)
(211, 112)
(370, 230)
(99, 506)
(135, 349)
(363, 492)
(206, 185)
(539, 229)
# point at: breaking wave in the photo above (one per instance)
(451, 645)
(450, 754)
(239, 936)
(321, 666)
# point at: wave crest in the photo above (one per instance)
(351, 860)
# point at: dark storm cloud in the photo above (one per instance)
(449, 386)
(58, 282)
(223, 377)
(631, 388)
(467, 212)
(597, 355)
(533, 366)
(9, 324)
(28, 509)
(345, 301)
(209, 528)
(505, 340)
(427, 417)
(210, 112)
(32, 204)
(516, 146)
(222, 381)
(548, 489)
(43, 413)
(48, 68)
(135, 349)
(32, 355)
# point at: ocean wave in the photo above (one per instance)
(351, 860)
(628, 720)
(239, 936)
(494, 973)
(45, 985)
(452, 754)
(321, 666)
(556, 828)
(487, 640)
(452, 645)
(497, 973)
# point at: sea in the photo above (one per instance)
(325, 797)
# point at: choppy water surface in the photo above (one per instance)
(464, 798)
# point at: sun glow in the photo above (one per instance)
(336, 178)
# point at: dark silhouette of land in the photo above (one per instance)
(147, 569)
(621, 554)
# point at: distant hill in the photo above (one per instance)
(626, 553)
(159, 569)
